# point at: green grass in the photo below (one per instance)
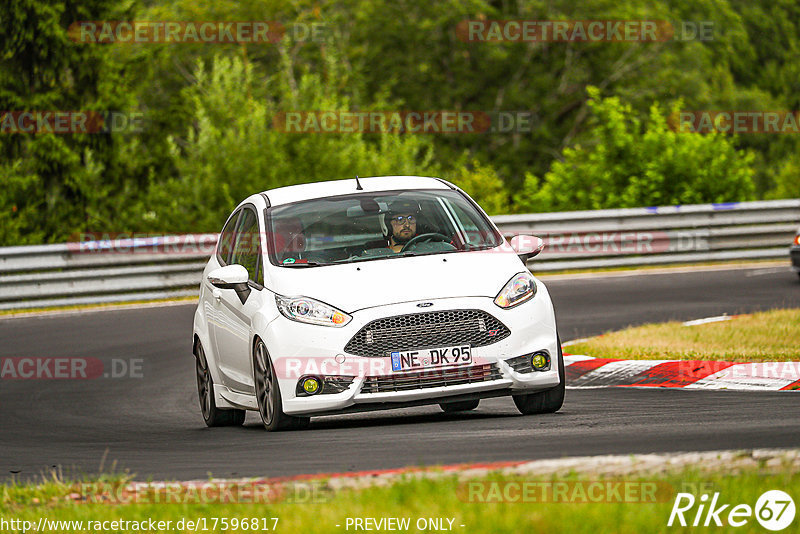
(99, 306)
(666, 267)
(764, 336)
(439, 498)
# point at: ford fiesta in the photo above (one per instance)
(353, 295)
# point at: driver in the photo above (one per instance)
(401, 223)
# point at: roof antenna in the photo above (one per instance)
(358, 185)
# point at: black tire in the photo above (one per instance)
(212, 415)
(461, 406)
(268, 394)
(547, 401)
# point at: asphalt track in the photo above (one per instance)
(152, 425)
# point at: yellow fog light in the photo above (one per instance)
(311, 385)
(540, 361)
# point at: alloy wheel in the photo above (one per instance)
(263, 380)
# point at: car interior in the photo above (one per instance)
(355, 231)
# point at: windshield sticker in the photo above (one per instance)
(288, 260)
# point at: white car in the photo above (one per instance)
(371, 293)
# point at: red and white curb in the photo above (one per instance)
(587, 372)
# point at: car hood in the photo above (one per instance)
(355, 286)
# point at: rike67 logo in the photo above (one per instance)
(774, 510)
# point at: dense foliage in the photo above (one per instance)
(639, 165)
(600, 136)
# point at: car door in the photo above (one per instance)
(233, 331)
(210, 295)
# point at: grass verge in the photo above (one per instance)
(576, 509)
(763, 336)
(668, 267)
(98, 306)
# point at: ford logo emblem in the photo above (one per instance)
(424, 304)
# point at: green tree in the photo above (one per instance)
(233, 149)
(56, 185)
(208, 139)
(482, 183)
(787, 179)
(628, 163)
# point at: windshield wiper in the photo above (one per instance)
(433, 253)
(304, 264)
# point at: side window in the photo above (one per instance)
(226, 240)
(247, 247)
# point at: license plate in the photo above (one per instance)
(438, 357)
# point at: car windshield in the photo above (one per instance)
(363, 227)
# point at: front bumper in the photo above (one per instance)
(298, 349)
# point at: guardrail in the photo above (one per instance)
(659, 235)
(171, 266)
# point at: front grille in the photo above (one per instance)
(431, 378)
(430, 329)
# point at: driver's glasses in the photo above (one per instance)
(401, 219)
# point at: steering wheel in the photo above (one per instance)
(426, 238)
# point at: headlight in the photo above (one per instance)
(520, 288)
(306, 310)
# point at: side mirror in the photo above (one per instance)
(231, 277)
(527, 246)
